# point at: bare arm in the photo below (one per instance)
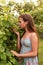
(18, 40)
(18, 43)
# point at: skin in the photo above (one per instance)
(34, 41)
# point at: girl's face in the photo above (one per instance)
(22, 24)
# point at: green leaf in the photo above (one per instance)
(8, 53)
(2, 49)
(4, 38)
(13, 60)
(2, 62)
(3, 56)
(1, 40)
(9, 63)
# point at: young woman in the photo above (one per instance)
(29, 41)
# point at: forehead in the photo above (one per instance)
(20, 19)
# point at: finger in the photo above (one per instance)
(11, 50)
(14, 30)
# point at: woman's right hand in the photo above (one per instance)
(16, 32)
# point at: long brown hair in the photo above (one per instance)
(30, 26)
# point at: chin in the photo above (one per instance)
(22, 27)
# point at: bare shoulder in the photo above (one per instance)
(34, 35)
(34, 38)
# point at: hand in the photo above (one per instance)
(17, 33)
(14, 53)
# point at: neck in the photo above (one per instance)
(27, 31)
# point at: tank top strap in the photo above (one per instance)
(30, 36)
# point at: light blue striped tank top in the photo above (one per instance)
(27, 47)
